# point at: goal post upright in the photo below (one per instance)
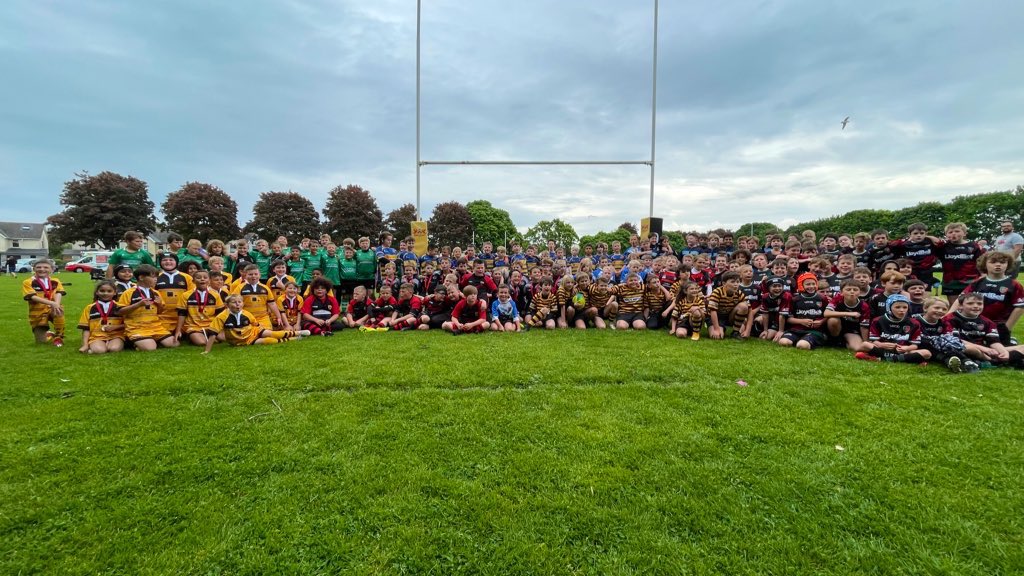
(420, 163)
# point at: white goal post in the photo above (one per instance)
(420, 163)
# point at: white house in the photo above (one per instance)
(24, 240)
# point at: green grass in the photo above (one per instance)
(544, 453)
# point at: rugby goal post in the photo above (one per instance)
(420, 163)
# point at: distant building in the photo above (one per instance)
(24, 240)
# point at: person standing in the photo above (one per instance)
(1011, 243)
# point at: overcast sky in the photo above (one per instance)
(305, 95)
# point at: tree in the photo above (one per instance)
(351, 211)
(203, 211)
(287, 214)
(101, 208)
(399, 221)
(490, 223)
(629, 227)
(562, 233)
(450, 225)
(619, 234)
(760, 229)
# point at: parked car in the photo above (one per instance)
(99, 272)
(24, 265)
(88, 262)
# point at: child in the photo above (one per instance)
(688, 311)
(919, 248)
(847, 317)
(630, 297)
(357, 314)
(469, 315)
(479, 279)
(563, 299)
(945, 347)
(436, 309)
(585, 312)
(543, 310)
(1003, 295)
(727, 306)
(296, 265)
(892, 283)
(320, 311)
(505, 313)
(916, 290)
(768, 310)
(880, 251)
(380, 312)
(258, 300)
(979, 334)
(238, 327)
(279, 278)
(102, 329)
(656, 298)
(131, 256)
(894, 336)
(803, 314)
(217, 285)
(959, 259)
(196, 310)
(44, 295)
(171, 284)
(602, 299)
(193, 252)
(290, 305)
(140, 308)
(216, 266)
(407, 311)
(123, 278)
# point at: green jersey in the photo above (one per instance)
(366, 264)
(263, 261)
(348, 268)
(312, 263)
(297, 269)
(184, 256)
(130, 259)
(330, 268)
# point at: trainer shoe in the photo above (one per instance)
(58, 342)
(971, 367)
(954, 365)
(364, 328)
(456, 332)
(50, 335)
(303, 333)
(695, 335)
(382, 328)
(866, 356)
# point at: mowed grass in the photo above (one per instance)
(543, 453)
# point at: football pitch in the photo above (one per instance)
(538, 453)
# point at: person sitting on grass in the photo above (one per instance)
(727, 306)
(630, 297)
(239, 327)
(102, 329)
(44, 295)
(469, 315)
(688, 311)
(380, 311)
(1003, 295)
(505, 313)
(543, 312)
(140, 308)
(803, 313)
(436, 308)
(894, 336)
(407, 311)
(979, 334)
(945, 347)
(768, 309)
(847, 317)
(320, 311)
(357, 313)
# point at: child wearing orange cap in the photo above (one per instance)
(803, 314)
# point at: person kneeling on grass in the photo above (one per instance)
(469, 315)
(102, 330)
(196, 310)
(980, 335)
(44, 295)
(140, 307)
(239, 327)
(894, 336)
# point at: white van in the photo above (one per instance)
(89, 262)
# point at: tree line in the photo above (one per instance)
(100, 208)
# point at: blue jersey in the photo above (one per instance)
(389, 254)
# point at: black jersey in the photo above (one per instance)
(752, 293)
(904, 332)
(804, 306)
(980, 330)
(879, 255)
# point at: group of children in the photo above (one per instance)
(866, 292)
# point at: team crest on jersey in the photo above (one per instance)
(1003, 290)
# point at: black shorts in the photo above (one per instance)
(847, 326)
(437, 320)
(812, 337)
(630, 317)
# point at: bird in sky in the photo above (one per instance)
(845, 122)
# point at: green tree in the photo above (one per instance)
(629, 227)
(399, 221)
(202, 211)
(450, 225)
(352, 211)
(562, 233)
(490, 223)
(759, 229)
(620, 234)
(287, 214)
(101, 208)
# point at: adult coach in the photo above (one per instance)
(1011, 243)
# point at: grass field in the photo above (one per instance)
(542, 453)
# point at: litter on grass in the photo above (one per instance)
(741, 382)
(840, 448)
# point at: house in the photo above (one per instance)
(24, 240)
